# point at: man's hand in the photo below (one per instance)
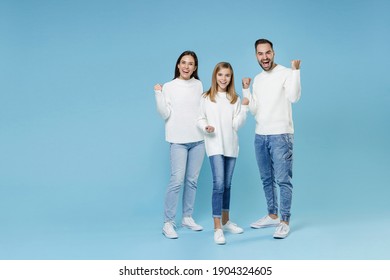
(245, 101)
(295, 64)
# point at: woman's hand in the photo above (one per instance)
(157, 87)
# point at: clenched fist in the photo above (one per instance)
(157, 87)
(295, 64)
(209, 129)
(246, 82)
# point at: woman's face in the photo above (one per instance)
(186, 67)
(224, 76)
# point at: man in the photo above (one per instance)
(274, 89)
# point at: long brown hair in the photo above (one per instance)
(230, 90)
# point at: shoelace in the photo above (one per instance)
(172, 223)
(191, 222)
(282, 227)
(233, 224)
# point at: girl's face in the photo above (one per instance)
(224, 76)
(186, 67)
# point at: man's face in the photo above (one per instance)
(265, 56)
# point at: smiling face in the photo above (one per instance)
(223, 78)
(265, 56)
(186, 67)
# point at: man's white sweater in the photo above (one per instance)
(178, 105)
(226, 118)
(270, 103)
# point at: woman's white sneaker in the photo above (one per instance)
(169, 230)
(189, 222)
(219, 238)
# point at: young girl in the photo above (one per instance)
(221, 116)
(178, 104)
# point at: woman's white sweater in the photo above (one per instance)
(178, 105)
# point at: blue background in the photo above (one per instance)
(83, 161)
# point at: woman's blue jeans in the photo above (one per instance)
(274, 155)
(186, 162)
(222, 169)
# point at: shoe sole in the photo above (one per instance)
(170, 236)
(234, 232)
(191, 228)
(279, 237)
(265, 226)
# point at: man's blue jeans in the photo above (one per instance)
(222, 168)
(186, 162)
(274, 155)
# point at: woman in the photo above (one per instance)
(178, 104)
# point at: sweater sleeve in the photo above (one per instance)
(163, 105)
(252, 100)
(293, 86)
(239, 115)
(202, 119)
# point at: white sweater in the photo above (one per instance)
(270, 103)
(226, 118)
(178, 105)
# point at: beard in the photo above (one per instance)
(269, 67)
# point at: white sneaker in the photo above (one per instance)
(189, 222)
(169, 230)
(282, 231)
(266, 221)
(232, 227)
(219, 238)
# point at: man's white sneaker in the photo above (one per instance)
(169, 230)
(282, 231)
(232, 227)
(266, 221)
(219, 238)
(189, 222)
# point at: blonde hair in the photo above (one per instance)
(230, 90)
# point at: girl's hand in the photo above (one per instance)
(246, 82)
(245, 101)
(209, 129)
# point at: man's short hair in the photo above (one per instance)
(263, 41)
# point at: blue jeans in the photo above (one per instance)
(186, 162)
(274, 155)
(222, 168)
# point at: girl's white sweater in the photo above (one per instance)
(226, 118)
